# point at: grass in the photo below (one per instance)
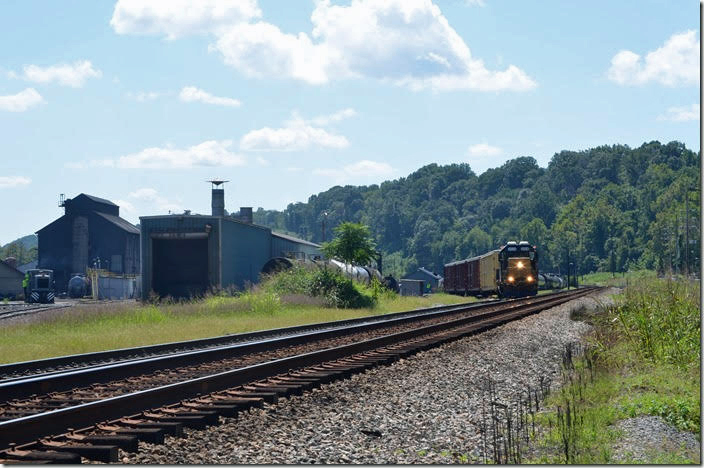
(643, 359)
(620, 280)
(111, 326)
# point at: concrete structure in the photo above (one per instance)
(89, 233)
(431, 281)
(187, 255)
(10, 281)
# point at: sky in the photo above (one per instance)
(141, 102)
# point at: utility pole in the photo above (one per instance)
(568, 268)
(325, 217)
(686, 235)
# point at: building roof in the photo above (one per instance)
(119, 222)
(28, 266)
(430, 273)
(11, 269)
(95, 199)
(294, 239)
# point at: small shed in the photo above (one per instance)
(432, 281)
(10, 281)
(410, 287)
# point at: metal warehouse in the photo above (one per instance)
(185, 255)
(90, 233)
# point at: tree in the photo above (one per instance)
(352, 244)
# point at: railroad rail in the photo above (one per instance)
(39, 429)
(77, 361)
(14, 310)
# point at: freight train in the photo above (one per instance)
(511, 271)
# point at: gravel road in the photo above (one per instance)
(423, 409)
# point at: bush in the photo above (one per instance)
(339, 291)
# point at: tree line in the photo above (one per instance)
(609, 208)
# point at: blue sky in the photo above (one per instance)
(141, 102)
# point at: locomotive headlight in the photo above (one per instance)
(529, 279)
(510, 279)
(519, 265)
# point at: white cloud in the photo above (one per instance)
(484, 149)
(263, 162)
(177, 18)
(144, 96)
(675, 63)
(153, 198)
(74, 75)
(296, 135)
(475, 3)
(21, 101)
(404, 42)
(207, 154)
(358, 170)
(323, 120)
(14, 181)
(681, 114)
(193, 94)
(125, 206)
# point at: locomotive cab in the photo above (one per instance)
(518, 264)
(41, 286)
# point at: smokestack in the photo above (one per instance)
(246, 214)
(218, 197)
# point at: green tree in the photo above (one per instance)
(352, 244)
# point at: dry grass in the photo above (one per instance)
(118, 325)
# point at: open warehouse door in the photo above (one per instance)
(180, 267)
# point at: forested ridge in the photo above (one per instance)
(610, 208)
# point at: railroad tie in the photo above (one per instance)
(268, 397)
(124, 442)
(174, 429)
(52, 457)
(102, 453)
(145, 434)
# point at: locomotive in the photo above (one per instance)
(511, 271)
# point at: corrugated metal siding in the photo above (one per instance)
(245, 250)
(488, 266)
(281, 247)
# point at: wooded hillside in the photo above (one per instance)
(613, 207)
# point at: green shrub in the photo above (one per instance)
(339, 291)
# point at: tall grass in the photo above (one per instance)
(662, 320)
(642, 359)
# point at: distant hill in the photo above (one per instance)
(27, 241)
(23, 249)
(608, 208)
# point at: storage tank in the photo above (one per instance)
(78, 286)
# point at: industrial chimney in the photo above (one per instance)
(246, 214)
(218, 200)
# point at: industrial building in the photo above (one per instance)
(431, 281)
(89, 234)
(186, 255)
(10, 279)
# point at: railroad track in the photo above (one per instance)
(60, 364)
(13, 310)
(119, 404)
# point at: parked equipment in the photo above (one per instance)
(40, 286)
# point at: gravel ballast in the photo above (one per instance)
(647, 437)
(422, 409)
